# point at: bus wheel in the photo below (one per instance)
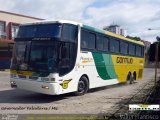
(83, 86)
(134, 76)
(129, 79)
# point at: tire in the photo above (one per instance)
(129, 79)
(83, 86)
(134, 77)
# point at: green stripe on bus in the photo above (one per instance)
(109, 65)
(104, 66)
(93, 29)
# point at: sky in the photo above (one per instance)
(135, 16)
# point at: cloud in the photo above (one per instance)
(134, 16)
(52, 9)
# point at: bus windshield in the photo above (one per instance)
(41, 30)
(36, 56)
(43, 56)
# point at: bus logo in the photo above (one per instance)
(65, 83)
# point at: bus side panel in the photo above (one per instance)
(125, 64)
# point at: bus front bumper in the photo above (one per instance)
(36, 86)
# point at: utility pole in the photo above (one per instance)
(156, 55)
(156, 62)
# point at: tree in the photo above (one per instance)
(134, 38)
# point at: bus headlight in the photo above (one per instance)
(45, 87)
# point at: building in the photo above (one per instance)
(9, 24)
(115, 29)
(147, 44)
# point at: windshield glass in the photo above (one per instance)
(19, 54)
(43, 56)
(36, 56)
(41, 30)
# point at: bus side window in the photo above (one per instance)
(142, 55)
(91, 41)
(132, 49)
(99, 42)
(105, 43)
(70, 33)
(138, 51)
(88, 39)
(114, 45)
(124, 47)
(84, 39)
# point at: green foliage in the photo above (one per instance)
(134, 38)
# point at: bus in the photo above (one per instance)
(6, 47)
(57, 57)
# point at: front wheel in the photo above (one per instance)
(83, 86)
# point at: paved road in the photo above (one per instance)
(97, 101)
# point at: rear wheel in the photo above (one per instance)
(83, 86)
(129, 79)
(134, 76)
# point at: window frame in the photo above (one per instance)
(10, 29)
(4, 28)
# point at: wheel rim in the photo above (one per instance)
(81, 86)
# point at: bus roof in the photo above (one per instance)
(56, 21)
(86, 27)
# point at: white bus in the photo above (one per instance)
(58, 57)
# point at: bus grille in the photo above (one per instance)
(140, 73)
(22, 76)
(33, 77)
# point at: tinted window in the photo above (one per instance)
(131, 49)
(70, 32)
(84, 39)
(87, 39)
(114, 45)
(142, 51)
(138, 51)
(40, 30)
(99, 42)
(91, 41)
(102, 43)
(105, 44)
(124, 47)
